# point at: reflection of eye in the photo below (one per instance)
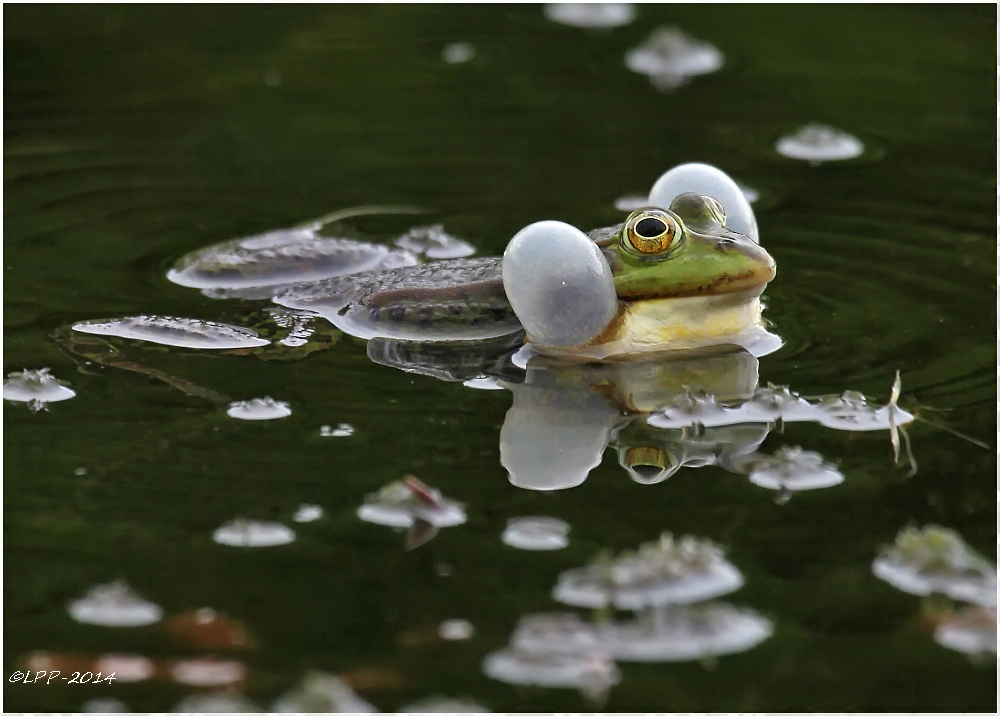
(650, 231)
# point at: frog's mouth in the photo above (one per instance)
(753, 271)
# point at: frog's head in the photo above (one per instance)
(686, 271)
(685, 250)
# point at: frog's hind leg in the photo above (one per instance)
(85, 348)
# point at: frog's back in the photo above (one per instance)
(460, 299)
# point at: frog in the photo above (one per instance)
(684, 272)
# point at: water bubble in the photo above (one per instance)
(792, 469)
(180, 332)
(37, 388)
(253, 533)
(116, 605)
(670, 58)
(816, 143)
(594, 672)
(266, 408)
(456, 629)
(536, 533)
(483, 382)
(80, 471)
(591, 15)
(307, 513)
(456, 53)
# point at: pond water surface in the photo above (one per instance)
(134, 135)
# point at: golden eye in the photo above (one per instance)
(651, 231)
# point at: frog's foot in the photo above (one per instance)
(559, 284)
(92, 349)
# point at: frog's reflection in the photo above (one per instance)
(685, 408)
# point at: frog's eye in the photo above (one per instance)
(650, 231)
(718, 209)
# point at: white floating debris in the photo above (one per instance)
(253, 533)
(266, 408)
(564, 634)
(443, 705)
(179, 332)
(667, 571)
(105, 705)
(218, 702)
(793, 468)
(116, 605)
(631, 202)
(817, 143)
(670, 58)
(591, 15)
(343, 430)
(937, 560)
(594, 672)
(403, 502)
(319, 692)
(850, 411)
(483, 382)
(972, 630)
(80, 471)
(36, 388)
(208, 672)
(536, 533)
(456, 629)
(685, 633)
(127, 668)
(434, 243)
(307, 513)
(456, 53)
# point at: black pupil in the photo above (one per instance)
(650, 228)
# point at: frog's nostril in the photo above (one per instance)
(650, 228)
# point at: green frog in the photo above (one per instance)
(685, 272)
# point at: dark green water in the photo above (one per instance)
(133, 135)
